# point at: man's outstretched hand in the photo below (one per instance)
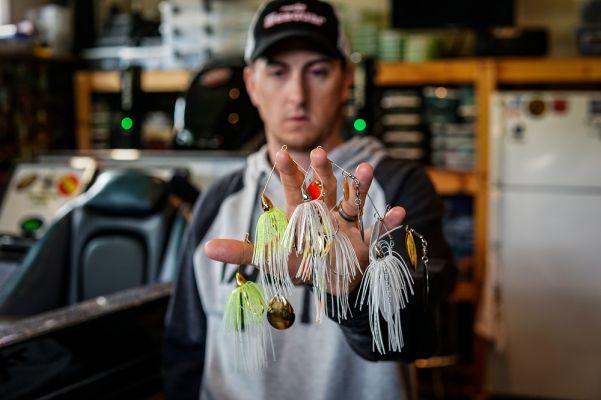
(238, 252)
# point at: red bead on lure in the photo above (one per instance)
(315, 190)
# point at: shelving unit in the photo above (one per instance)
(36, 105)
(480, 74)
(89, 82)
(486, 75)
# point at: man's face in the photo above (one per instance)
(299, 94)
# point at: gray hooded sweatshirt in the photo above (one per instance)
(312, 361)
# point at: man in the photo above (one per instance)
(298, 76)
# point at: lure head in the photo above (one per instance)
(379, 252)
(240, 280)
(266, 203)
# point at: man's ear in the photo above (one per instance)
(249, 81)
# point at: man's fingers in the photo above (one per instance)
(292, 178)
(230, 251)
(393, 218)
(323, 169)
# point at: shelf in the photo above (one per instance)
(39, 55)
(506, 71)
(539, 70)
(152, 81)
(544, 70)
(427, 73)
(452, 182)
(452, 71)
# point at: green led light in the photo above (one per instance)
(127, 123)
(32, 224)
(360, 125)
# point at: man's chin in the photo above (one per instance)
(301, 148)
(304, 146)
(301, 142)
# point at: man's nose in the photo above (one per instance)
(297, 89)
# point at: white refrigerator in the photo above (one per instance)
(545, 243)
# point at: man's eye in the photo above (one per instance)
(320, 72)
(277, 72)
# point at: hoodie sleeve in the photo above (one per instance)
(185, 334)
(186, 324)
(412, 189)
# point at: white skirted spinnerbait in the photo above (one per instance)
(269, 253)
(310, 234)
(386, 288)
(245, 325)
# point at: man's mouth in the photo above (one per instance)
(297, 118)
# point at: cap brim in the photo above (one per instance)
(315, 39)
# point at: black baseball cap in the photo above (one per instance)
(312, 20)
